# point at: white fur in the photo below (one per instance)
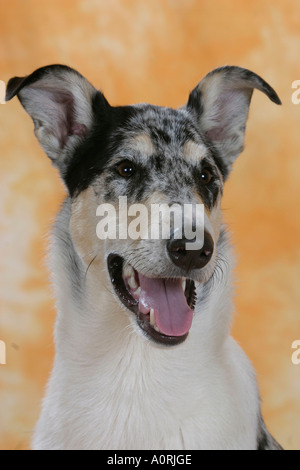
(111, 388)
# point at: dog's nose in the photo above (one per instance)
(190, 259)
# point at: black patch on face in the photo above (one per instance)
(133, 187)
(219, 162)
(112, 127)
(138, 184)
(208, 192)
(223, 168)
(160, 135)
(91, 156)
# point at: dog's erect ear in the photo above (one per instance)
(221, 104)
(60, 101)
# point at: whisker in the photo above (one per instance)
(90, 264)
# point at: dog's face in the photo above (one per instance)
(153, 156)
(158, 158)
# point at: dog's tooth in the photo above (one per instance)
(132, 283)
(128, 271)
(138, 292)
(152, 321)
(152, 318)
(183, 284)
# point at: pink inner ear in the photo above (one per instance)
(216, 134)
(56, 112)
(227, 108)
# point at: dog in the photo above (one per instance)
(144, 357)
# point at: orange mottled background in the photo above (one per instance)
(156, 51)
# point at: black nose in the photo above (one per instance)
(190, 259)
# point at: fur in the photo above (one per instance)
(113, 387)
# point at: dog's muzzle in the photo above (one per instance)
(164, 308)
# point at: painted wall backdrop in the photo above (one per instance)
(156, 51)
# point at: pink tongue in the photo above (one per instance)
(173, 316)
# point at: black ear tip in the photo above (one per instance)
(275, 98)
(271, 93)
(13, 87)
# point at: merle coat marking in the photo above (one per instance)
(115, 384)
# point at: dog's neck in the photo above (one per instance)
(104, 363)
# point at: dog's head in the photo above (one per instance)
(153, 156)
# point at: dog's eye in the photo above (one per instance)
(126, 169)
(206, 176)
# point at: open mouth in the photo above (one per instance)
(164, 308)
